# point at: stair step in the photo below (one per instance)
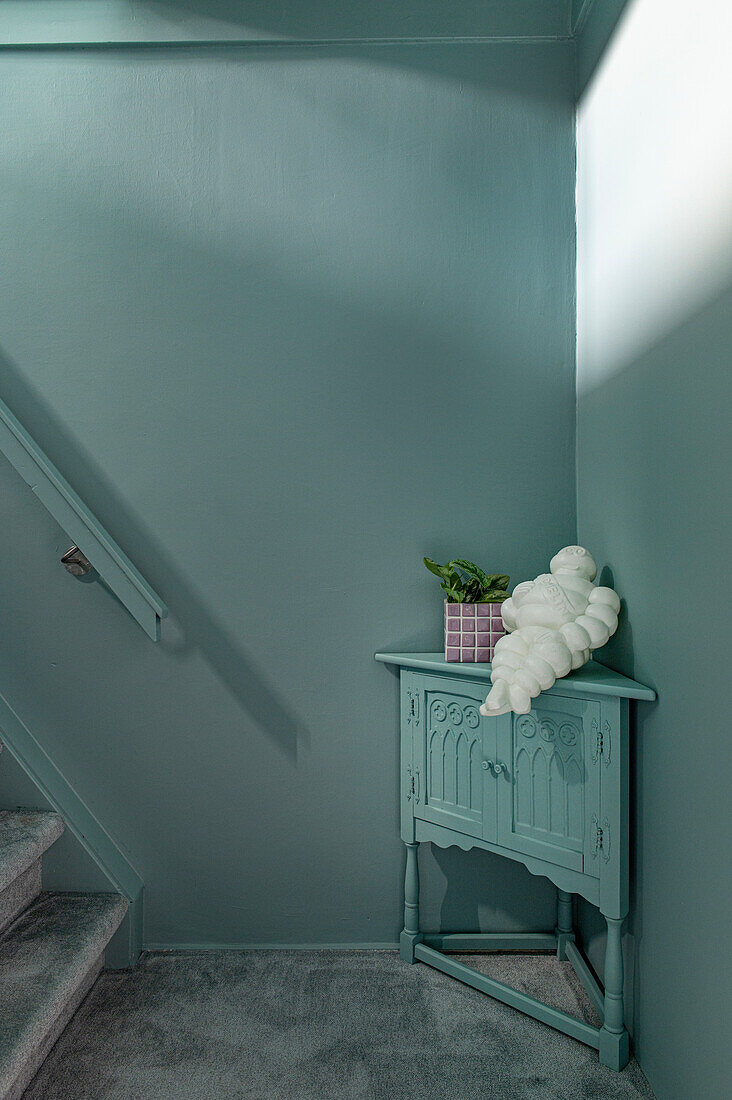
(49, 959)
(21, 893)
(24, 837)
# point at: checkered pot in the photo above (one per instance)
(472, 630)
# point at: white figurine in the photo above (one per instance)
(555, 622)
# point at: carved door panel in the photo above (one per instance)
(450, 753)
(548, 791)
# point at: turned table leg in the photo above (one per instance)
(614, 1041)
(410, 936)
(564, 923)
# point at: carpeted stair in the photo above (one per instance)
(24, 837)
(51, 947)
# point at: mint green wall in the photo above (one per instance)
(654, 455)
(287, 320)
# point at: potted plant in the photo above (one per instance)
(473, 620)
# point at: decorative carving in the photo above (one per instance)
(526, 725)
(439, 711)
(454, 754)
(456, 714)
(547, 729)
(568, 733)
(548, 792)
(537, 867)
(472, 717)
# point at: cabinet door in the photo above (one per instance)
(451, 744)
(548, 793)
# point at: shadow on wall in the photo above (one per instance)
(279, 316)
(351, 19)
(222, 652)
(499, 69)
(476, 882)
(618, 652)
(269, 309)
(269, 329)
(595, 37)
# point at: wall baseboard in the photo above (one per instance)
(88, 830)
(358, 946)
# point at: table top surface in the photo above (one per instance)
(591, 678)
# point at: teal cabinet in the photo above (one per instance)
(529, 783)
(447, 749)
(548, 788)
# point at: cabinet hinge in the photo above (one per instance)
(601, 747)
(600, 838)
(413, 785)
(413, 708)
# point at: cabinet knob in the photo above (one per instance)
(495, 766)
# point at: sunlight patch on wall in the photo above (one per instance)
(654, 182)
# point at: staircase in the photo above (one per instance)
(51, 947)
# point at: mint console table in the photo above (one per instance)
(549, 789)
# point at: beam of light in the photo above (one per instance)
(654, 181)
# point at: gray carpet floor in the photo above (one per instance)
(323, 1025)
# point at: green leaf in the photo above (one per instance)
(442, 571)
(493, 595)
(472, 570)
(454, 581)
(479, 587)
(473, 590)
(497, 580)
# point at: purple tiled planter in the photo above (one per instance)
(472, 630)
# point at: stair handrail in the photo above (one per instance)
(80, 524)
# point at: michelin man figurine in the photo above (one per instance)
(554, 623)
